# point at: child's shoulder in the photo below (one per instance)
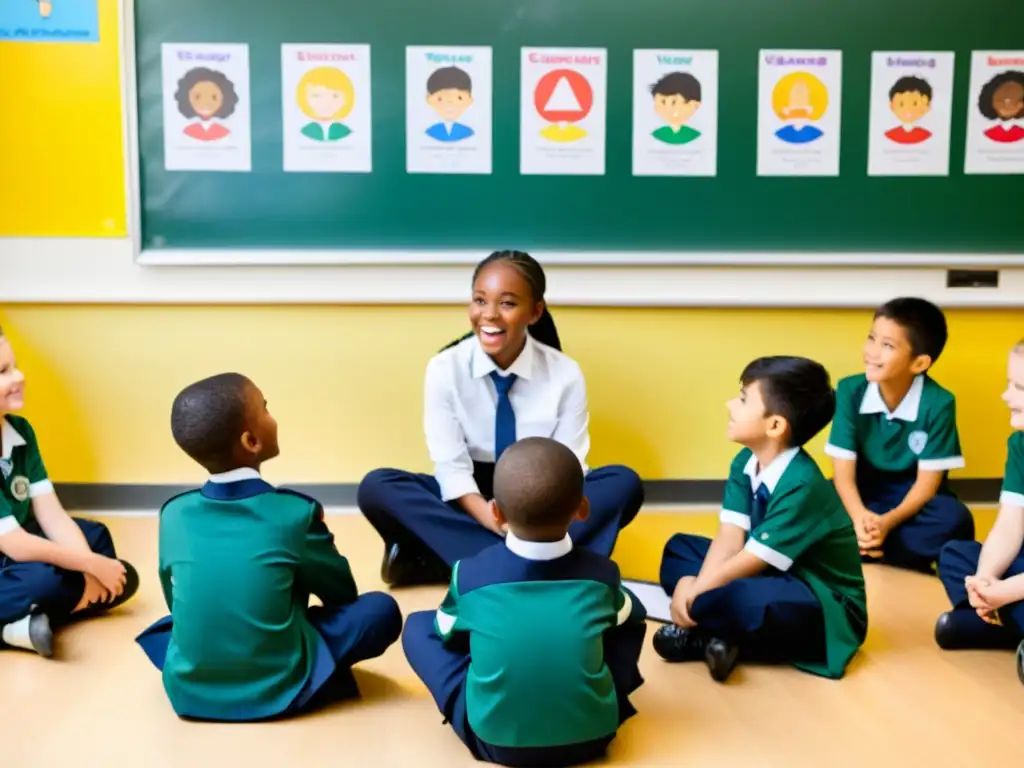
(740, 460)
(852, 386)
(21, 425)
(935, 393)
(1015, 446)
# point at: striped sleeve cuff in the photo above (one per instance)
(40, 488)
(769, 555)
(8, 524)
(735, 518)
(840, 453)
(1008, 498)
(939, 465)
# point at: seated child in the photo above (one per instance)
(505, 381)
(239, 559)
(893, 439)
(53, 568)
(985, 584)
(782, 581)
(555, 637)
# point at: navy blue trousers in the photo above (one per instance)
(915, 544)
(404, 506)
(47, 588)
(957, 561)
(351, 633)
(443, 670)
(773, 617)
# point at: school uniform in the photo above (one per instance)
(890, 448)
(809, 607)
(963, 628)
(555, 640)
(238, 562)
(34, 587)
(472, 412)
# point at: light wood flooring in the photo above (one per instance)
(101, 703)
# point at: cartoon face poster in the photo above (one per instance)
(995, 113)
(675, 113)
(206, 107)
(799, 113)
(562, 106)
(448, 109)
(325, 93)
(911, 112)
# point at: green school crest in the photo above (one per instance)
(19, 488)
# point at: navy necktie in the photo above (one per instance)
(504, 417)
(759, 507)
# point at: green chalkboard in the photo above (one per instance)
(736, 210)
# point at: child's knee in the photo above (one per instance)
(386, 614)
(373, 488)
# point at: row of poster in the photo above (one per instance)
(327, 111)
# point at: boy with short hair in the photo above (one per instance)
(894, 438)
(677, 96)
(239, 559)
(985, 584)
(53, 568)
(910, 99)
(450, 93)
(782, 581)
(555, 637)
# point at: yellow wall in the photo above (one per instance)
(102, 380)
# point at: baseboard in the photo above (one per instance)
(112, 497)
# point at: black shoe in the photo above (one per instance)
(400, 568)
(721, 659)
(961, 629)
(131, 586)
(1020, 662)
(945, 632)
(675, 644)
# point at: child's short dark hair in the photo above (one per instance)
(538, 483)
(449, 77)
(924, 323)
(797, 389)
(988, 92)
(682, 83)
(208, 417)
(911, 84)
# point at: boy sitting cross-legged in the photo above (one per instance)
(782, 581)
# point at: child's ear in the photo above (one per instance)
(920, 364)
(777, 426)
(584, 511)
(250, 443)
(538, 310)
(499, 516)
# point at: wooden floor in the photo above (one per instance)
(101, 703)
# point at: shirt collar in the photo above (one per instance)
(10, 437)
(538, 550)
(872, 401)
(235, 475)
(771, 474)
(482, 364)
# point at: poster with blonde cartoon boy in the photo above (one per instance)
(995, 113)
(799, 113)
(326, 107)
(206, 107)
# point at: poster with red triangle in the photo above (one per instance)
(564, 97)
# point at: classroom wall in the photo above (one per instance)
(101, 377)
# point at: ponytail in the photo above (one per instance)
(544, 330)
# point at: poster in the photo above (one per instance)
(325, 92)
(675, 113)
(49, 21)
(448, 109)
(911, 112)
(563, 104)
(995, 113)
(206, 107)
(798, 113)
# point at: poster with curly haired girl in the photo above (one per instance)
(206, 107)
(995, 113)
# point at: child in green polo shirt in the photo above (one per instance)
(894, 438)
(53, 568)
(985, 584)
(555, 637)
(782, 581)
(239, 560)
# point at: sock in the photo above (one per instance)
(16, 633)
